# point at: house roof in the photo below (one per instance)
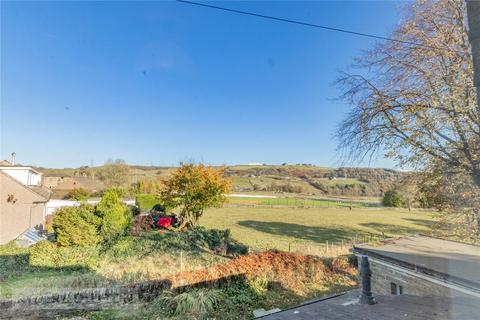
(5, 163)
(448, 260)
(41, 191)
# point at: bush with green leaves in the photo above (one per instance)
(78, 194)
(236, 248)
(195, 303)
(115, 215)
(49, 254)
(76, 226)
(243, 294)
(393, 198)
(193, 241)
(148, 202)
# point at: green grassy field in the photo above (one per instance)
(281, 228)
(295, 202)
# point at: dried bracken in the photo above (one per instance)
(291, 270)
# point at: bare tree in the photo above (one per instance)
(417, 101)
(114, 173)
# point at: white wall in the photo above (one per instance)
(25, 175)
(54, 204)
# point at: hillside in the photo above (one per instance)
(313, 180)
(285, 179)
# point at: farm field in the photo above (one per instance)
(299, 202)
(303, 229)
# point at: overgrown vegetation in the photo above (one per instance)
(264, 280)
(47, 267)
(393, 198)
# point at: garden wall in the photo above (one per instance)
(71, 303)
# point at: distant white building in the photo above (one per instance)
(54, 204)
(25, 175)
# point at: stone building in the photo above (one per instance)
(414, 278)
(423, 266)
(62, 182)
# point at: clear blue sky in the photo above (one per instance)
(163, 82)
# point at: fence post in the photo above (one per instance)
(181, 267)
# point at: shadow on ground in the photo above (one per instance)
(422, 222)
(298, 231)
(18, 277)
(392, 229)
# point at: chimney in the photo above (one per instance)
(366, 296)
(13, 158)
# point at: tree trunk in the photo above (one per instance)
(183, 225)
(473, 15)
(476, 178)
(476, 216)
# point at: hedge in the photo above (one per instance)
(48, 254)
(76, 226)
(147, 201)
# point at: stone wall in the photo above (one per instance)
(71, 303)
(383, 276)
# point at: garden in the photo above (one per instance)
(183, 235)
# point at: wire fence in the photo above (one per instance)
(298, 202)
(326, 249)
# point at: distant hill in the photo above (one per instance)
(365, 182)
(290, 179)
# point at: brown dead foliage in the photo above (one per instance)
(291, 270)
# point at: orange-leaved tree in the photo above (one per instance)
(194, 188)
